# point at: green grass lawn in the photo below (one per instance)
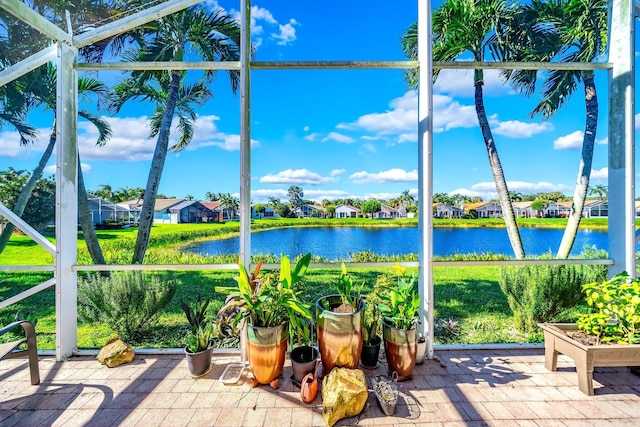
(470, 307)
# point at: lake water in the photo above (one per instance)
(340, 242)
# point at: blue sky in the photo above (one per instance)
(339, 133)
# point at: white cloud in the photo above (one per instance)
(287, 33)
(407, 137)
(298, 176)
(10, 144)
(337, 172)
(573, 141)
(600, 173)
(391, 175)
(338, 137)
(603, 141)
(638, 121)
(370, 147)
(130, 140)
(263, 195)
(460, 83)
(312, 136)
(306, 128)
(518, 129)
(51, 169)
(388, 196)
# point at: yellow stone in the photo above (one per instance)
(344, 394)
(115, 353)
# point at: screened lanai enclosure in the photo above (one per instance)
(81, 40)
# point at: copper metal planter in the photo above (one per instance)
(400, 346)
(340, 335)
(267, 348)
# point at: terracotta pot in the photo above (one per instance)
(370, 353)
(199, 363)
(267, 348)
(340, 335)
(303, 361)
(401, 350)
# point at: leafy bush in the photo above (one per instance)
(616, 310)
(128, 301)
(537, 293)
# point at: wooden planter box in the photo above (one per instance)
(586, 357)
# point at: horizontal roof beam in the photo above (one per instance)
(282, 65)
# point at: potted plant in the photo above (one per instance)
(399, 308)
(272, 311)
(198, 350)
(607, 336)
(304, 356)
(371, 338)
(340, 325)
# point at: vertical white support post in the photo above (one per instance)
(245, 149)
(622, 242)
(66, 201)
(245, 134)
(425, 172)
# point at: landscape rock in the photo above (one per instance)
(115, 353)
(344, 394)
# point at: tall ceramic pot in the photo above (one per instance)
(400, 346)
(267, 348)
(340, 335)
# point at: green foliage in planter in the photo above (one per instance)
(349, 294)
(616, 310)
(266, 303)
(201, 334)
(400, 303)
(538, 293)
(129, 302)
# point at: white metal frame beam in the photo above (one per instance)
(132, 21)
(425, 174)
(28, 16)
(622, 234)
(28, 64)
(66, 201)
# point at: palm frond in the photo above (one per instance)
(104, 129)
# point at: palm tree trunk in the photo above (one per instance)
(26, 191)
(584, 170)
(88, 231)
(155, 173)
(498, 174)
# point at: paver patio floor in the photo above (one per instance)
(467, 388)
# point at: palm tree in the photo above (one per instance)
(599, 190)
(567, 31)
(39, 87)
(190, 32)
(231, 203)
(476, 27)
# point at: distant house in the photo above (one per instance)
(217, 212)
(175, 211)
(523, 209)
(268, 212)
(347, 211)
(484, 209)
(102, 210)
(591, 209)
(387, 212)
(443, 210)
(310, 211)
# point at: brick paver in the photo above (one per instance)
(468, 388)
